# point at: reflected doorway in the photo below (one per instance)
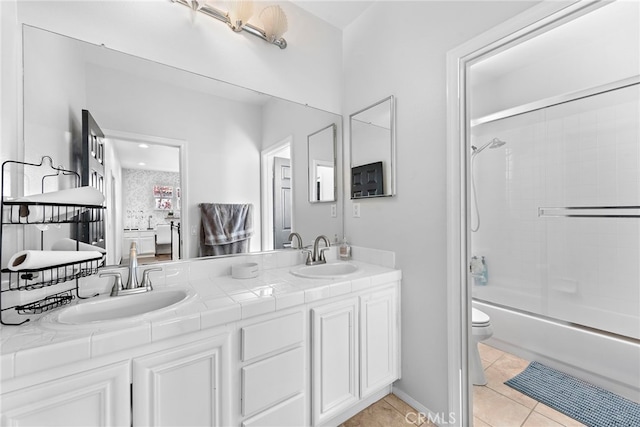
(277, 185)
(147, 197)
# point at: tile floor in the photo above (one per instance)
(494, 404)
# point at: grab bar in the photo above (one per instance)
(590, 212)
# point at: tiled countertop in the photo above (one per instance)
(219, 299)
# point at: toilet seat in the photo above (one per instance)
(479, 319)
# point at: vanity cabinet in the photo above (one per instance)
(334, 349)
(273, 371)
(145, 242)
(99, 397)
(180, 386)
(355, 350)
(379, 340)
(182, 381)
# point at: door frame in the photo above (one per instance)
(532, 22)
(266, 188)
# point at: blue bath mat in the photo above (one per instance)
(584, 402)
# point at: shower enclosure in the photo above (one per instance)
(559, 203)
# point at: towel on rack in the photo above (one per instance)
(67, 244)
(225, 228)
(163, 234)
(54, 206)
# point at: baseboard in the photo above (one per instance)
(361, 405)
(424, 413)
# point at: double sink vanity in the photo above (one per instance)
(296, 345)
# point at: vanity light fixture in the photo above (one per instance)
(273, 18)
(143, 146)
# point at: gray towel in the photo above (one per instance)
(225, 228)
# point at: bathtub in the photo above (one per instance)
(606, 360)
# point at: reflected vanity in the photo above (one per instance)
(372, 136)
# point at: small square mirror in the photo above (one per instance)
(372, 142)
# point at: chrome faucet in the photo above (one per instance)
(317, 256)
(132, 286)
(298, 237)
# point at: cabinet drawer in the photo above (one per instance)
(271, 380)
(289, 413)
(266, 337)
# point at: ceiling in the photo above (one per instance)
(338, 13)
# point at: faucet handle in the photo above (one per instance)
(146, 281)
(322, 251)
(117, 283)
(309, 254)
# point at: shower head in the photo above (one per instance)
(494, 143)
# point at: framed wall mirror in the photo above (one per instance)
(372, 148)
(321, 148)
(217, 132)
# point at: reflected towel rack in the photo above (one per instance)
(591, 212)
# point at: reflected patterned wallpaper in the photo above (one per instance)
(138, 197)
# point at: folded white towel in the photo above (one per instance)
(31, 260)
(87, 196)
(70, 245)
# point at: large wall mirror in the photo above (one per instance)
(223, 142)
(321, 147)
(372, 142)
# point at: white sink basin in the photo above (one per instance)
(105, 310)
(336, 270)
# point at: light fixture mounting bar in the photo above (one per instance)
(224, 17)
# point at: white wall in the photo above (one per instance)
(399, 48)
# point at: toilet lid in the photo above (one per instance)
(479, 318)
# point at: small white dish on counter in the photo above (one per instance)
(247, 270)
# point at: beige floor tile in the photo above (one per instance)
(380, 414)
(497, 410)
(495, 381)
(399, 404)
(510, 364)
(485, 363)
(477, 422)
(559, 417)
(538, 420)
(488, 353)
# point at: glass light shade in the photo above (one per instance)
(240, 13)
(274, 22)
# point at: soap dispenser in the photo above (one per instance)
(345, 250)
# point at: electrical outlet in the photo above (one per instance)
(356, 210)
(334, 211)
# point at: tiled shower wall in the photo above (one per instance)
(581, 153)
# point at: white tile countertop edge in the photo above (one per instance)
(219, 300)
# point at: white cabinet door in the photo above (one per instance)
(181, 386)
(99, 397)
(334, 359)
(378, 341)
(146, 244)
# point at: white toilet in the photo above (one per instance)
(480, 331)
